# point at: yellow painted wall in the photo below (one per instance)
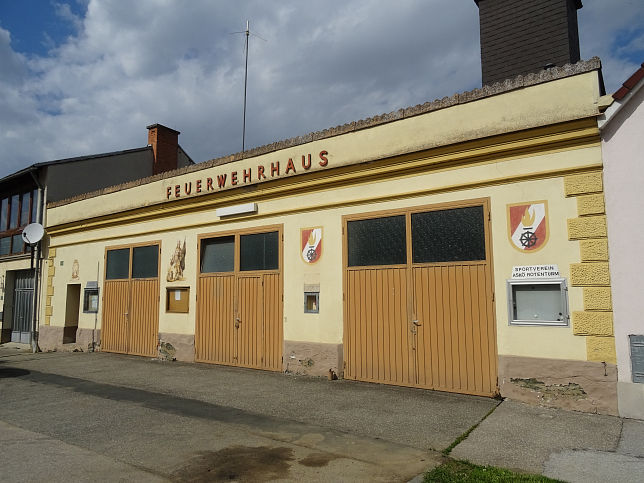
(326, 210)
(524, 167)
(566, 99)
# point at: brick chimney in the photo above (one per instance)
(524, 36)
(165, 146)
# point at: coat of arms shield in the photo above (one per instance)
(528, 225)
(311, 244)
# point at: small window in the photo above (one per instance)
(176, 299)
(5, 245)
(17, 245)
(311, 302)
(259, 251)
(25, 209)
(538, 302)
(377, 241)
(448, 235)
(145, 261)
(13, 216)
(118, 264)
(90, 300)
(34, 206)
(218, 254)
(4, 214)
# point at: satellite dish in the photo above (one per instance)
(32, 233)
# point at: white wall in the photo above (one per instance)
(623, 153)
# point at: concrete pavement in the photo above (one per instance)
(182, 421)
(564, 445)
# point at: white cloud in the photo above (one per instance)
(324, 63)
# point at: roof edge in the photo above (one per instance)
(518, 82)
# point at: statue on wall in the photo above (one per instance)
(177, 263)
(75, 270)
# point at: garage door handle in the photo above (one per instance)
(237, 322)
(415, 322)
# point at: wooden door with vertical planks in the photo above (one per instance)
(239, 300)
(131, 298)
(418, 299)
(215, 332)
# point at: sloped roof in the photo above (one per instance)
(630, 84)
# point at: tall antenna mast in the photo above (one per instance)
(245, 87)
(248, 34)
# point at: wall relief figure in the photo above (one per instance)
(75, 270)
(177, 263)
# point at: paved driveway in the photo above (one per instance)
(103, 416)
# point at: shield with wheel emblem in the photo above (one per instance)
(528, 225)
(311, 244)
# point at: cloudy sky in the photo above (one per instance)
(86, 76)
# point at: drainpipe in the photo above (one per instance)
(37, 271)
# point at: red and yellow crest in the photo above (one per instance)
(311, 244)
(528, 225)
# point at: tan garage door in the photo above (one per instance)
(418, 299)
(131, 300)
(239, 300)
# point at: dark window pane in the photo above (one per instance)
(5, 245)
(4, 214)
(118, 263)
(377, 241)
(145, 261)
(18, 246)
(25, 209)
(259, 251)
(13, 218)
(34, 206)
(218, 254)
(448, 235)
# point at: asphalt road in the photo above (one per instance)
(88, 417)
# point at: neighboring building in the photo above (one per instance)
(444, 246)
(623, 144)
(23, 195)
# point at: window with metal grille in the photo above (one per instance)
(259, 251)
(118, 264)
(377, 241)
(145, 261)
(451, 235)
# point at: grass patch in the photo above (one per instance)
(463, 471)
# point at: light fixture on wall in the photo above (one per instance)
(237, 210)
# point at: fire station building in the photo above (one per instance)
(459, 245)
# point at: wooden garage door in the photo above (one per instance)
(131, 300)
(239, 300)
(418, 299)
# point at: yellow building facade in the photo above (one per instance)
(395, 250)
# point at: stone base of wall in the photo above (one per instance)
(179, 347)
(631, 400)
(84, 339)
(312, 358)
(50, 337)
(577, 385)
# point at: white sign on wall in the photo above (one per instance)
(535, 271)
